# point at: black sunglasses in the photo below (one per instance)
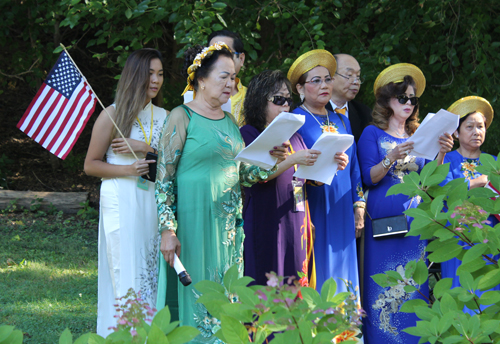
(402, 99)
(280, 100)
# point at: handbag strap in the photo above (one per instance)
(409, 205)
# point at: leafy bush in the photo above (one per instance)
(294, 314)
(456, 219)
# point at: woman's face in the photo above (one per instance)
(472, 132)
(273, 110)
(155, 78)
(317, 94)
(403, 111)
(217, 86)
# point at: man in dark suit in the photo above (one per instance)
(346, 83)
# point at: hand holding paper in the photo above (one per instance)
(426, 137)
(280, 130)
(325, 167)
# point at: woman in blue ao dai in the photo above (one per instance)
(331, 205)
(476, 114)
(384, 154)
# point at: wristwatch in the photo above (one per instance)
(386, 163)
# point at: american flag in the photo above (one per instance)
(60, 109)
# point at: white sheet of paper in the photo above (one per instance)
(426, 137)
(188, 96)
(280, 130)
(325, 168)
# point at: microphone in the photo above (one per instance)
(181, 272)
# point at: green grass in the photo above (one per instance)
(48, 275)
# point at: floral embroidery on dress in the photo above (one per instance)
(329, 127)
(149, 277)
(391, 299)
(360, 193)
(468, 168)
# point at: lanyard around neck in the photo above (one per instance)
(148, 141)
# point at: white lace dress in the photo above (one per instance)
(128, 230)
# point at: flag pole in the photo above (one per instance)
(111, 118)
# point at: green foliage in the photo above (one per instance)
(446, 215)
(300, 314)
(87, 212)
(4, 170)
(455, 43)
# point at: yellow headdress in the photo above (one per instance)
(466, 105)
(308, 61)
(396, 73)
(208, 51)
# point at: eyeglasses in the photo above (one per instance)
(403, 99)
(280, 100)
(352, 78)
(319, 81)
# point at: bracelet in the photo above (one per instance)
(359, 204)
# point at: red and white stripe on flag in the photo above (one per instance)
(60, 109)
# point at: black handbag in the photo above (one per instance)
(392, 225)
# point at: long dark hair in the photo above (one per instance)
(382, 110)
(131, 92)
(262, 86)
(206, 64)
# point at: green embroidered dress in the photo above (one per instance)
(198, 193)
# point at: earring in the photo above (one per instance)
(302, 96)
(202, 87)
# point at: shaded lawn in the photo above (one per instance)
(48, 274)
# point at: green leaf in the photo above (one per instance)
(394, 274)
(128, 13)
(421, 273)
(433, 59)
(213, 302)
(243, 281)
(445, 252)
(328, 290)
(5, 331)
(448, 304)
(490, 297)
(182, 335)
(427, 171)
(437, 205)
(247, 296)
(442, 286)
(445, 322)
(230, 277)
(219, 5)
(305, 329)
(207, 286)
(488, 161)
(239, 311)
(410, 268)
(233, 330)
(221, 19)
(310, 296)
(337, 3)
(66, 337)
(409, 306)
(425, 313)
(15, 337)
(381, 279)
(490, 280)
(402, 188)
(156, 336)
(472, 266)
(162, 319)
(409, 288)
(474, 252)
(466, 280)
